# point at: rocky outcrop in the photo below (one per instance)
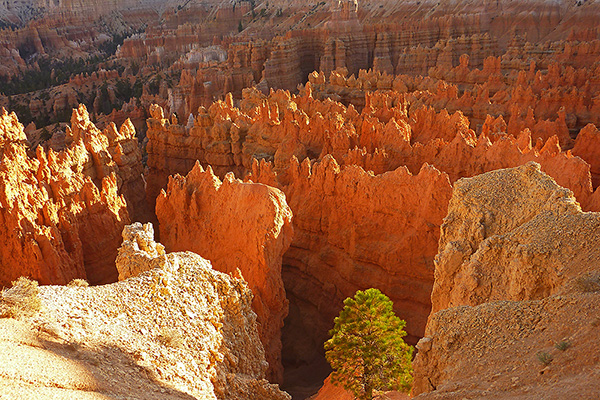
(386, 137)
(113, 151)
(355, 230)
(139, 252)
(503, 350)
(392, 130)
(61, 212)
(516, 273)
(587, 146)
(514, 236)
(238, 226)
(176, 331)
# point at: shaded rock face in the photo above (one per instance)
(516, 272)
(62, 213)
(242, 228)
(189, 330)
(355, 230)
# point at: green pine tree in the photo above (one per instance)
(366, 350)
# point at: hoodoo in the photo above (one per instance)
(442, 152)
(241, 228)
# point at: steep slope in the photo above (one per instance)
(238, 226)
(516, 273)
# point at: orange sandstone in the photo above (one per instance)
(238, 226)
(61, 213)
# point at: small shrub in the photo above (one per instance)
(170, 337)
(563, 345)
(544, 358)
(22, 299)
(78, 283)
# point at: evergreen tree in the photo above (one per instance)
(366, 350)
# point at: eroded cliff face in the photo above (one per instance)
(317, 152)
(393, 129)
(245, 227)
(516, 273)
(176, 330)
(355, 230)
(62, 211)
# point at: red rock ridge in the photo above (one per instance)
(237, 226)
(61, 213)
(355, 230)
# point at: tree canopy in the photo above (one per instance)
(366, 349)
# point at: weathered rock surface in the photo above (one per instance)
(61, 213)
(524, 242)
(139, 252)
(507, 350)
(179, 331)
(392, 130)
(517, 272)
(355, 230)
(238, 226)
(331, 235)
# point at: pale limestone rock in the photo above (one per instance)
(180, 331)
(516, 293)
(139, 252)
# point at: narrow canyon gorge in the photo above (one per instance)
(198, 186)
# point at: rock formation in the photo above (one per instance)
(139, 252)
(385, 103)
(389, 132)
(355, 230)
(516, 273)
(389, 137)
(238, 226)
(329, 391)
(62, 212)
(57, 224)
(587, 147)
(179, 330)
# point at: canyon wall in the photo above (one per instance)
(241, 228)
(62, 211)
(308, 147)
(516, 273)
(355, 230)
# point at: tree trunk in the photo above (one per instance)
(368, 392)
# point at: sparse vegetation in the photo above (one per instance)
(45, 134)
(544, 358)
(22, 299)
(50, 73)
(170, 337)
(563, 345)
